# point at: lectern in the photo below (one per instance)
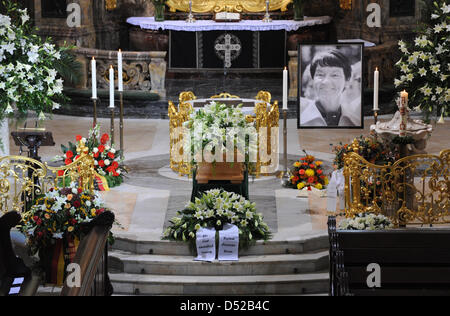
(33, 139)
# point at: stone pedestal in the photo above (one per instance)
(157, 69)
(416, 129)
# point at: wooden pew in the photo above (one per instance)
(413, 261)
(13, 271)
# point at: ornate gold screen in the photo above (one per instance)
(205, 6)
(413, 190)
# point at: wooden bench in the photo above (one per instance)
(412, 261)
(13, 271)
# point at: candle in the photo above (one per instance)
(111, 87)
(285, 89)
(120, 70)
(376, 90)
(403, 113)
(94, 78)
(404, 98)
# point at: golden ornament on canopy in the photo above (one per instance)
(205, 6)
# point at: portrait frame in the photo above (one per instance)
(350, 114)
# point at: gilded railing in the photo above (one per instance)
(22, 179)
(413, 190)
(265, 120)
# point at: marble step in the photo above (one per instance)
(138, 284)
(271, 247)
(247, 265)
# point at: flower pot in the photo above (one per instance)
(298, 10)
(159, 12)
(55, 258)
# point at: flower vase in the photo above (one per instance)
(298, 10)
(55, 258)
(159, 12)
(4, 137)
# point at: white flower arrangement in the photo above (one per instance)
(422, 70)
(214, 209)
(28, 80)
(212, 127)
(366, 221)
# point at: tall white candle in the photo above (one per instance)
(120, 69)
(111, 87)
(285, 89)
(94, 78)
(376, 90)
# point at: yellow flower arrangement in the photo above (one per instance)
(297, 164)
(300, 186)
(310, 173)
(319, 186)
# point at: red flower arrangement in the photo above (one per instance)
(108, 161)
(308, 173)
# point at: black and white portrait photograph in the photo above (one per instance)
(330, 86)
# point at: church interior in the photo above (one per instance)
(224, 148)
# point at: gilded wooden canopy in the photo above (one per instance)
(205, 6)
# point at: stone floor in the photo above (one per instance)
(152, 193)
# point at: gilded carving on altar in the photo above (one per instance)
(205, 6)
(111, 5)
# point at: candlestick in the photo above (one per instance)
(120, 69)
(94, 77)
(376, 90)
(121, 124)
(285, 89)
(285, 177)
(112, 125)
(267, 15)
(190, 18)
(111, 87)
(95, 111)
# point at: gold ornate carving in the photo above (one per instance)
(265, 118)
(206, 6)
(345, 4)
(111, 5)
(224, 96)
(413, 190)
(23, 178)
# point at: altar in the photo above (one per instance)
(248, 44)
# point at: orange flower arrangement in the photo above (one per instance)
(308, 173)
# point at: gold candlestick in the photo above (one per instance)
(121, 124)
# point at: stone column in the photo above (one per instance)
(157, 68)
(293, 73)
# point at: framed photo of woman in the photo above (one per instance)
(330, 91)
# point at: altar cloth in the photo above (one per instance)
(149, 23)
